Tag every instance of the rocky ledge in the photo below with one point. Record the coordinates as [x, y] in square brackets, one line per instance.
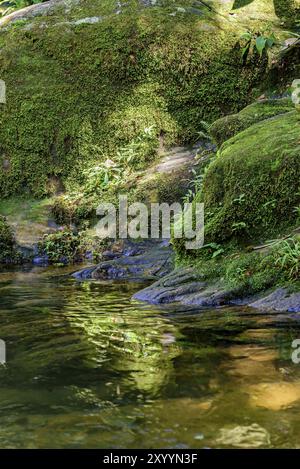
[146, 260]
[184, 286]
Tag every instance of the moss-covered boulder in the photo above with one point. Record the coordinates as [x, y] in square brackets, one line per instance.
[85, 79]
[6, 241]
[287, 9]
[252, 189]
[226, 127]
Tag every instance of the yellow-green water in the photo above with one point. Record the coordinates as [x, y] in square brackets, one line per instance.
[87, 367]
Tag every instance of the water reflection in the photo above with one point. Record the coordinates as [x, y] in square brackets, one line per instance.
[89, 367]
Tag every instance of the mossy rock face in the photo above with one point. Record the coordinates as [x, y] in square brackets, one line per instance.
[287, 9]
[79, 89]
[225, 128]
[6, 241]
[252, 188]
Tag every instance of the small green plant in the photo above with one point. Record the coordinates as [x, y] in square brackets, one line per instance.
[214, 249]
[101, 176]
[65, 247]
[239, 226]
[288, 257]
[139, 151]
[204, 132]
[256, 42]
[271, 204]
[61, 247]
[239, 200]
[6, 240]
[196, 185]
[297, 211]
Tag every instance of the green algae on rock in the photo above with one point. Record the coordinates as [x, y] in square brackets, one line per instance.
[7, 243]
[226, 127]
[78, 91]
[251, 189]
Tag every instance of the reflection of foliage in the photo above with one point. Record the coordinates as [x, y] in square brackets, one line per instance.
[136, 346]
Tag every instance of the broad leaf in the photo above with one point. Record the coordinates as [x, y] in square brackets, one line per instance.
[260, 44]
[241, 3]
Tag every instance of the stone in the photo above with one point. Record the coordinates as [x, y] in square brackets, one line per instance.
[184, 286]
[137, 261]
[279, 300]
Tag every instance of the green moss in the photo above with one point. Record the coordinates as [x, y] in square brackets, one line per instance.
[6, 242]
[161, 187]
[225, 128]
[73, 209]
[31, 210]
[249, 272]
[287, 9]
[65, 247]
[78, 93]
[251, 189]
[253, 272]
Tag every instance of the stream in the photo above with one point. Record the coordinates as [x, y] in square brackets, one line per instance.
[88, 367]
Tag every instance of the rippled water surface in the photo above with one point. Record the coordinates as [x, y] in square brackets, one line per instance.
[87, 367]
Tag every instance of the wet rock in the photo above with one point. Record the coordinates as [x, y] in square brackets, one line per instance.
[107, 255]
[89, 255]
[184, 286]
[42, 261]
[84, 273]
[279, 300]
[145, 260]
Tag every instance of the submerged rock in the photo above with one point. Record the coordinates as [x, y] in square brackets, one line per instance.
[274, 396]
[252, 436]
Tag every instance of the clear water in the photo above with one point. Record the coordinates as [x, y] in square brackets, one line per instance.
[87, 367]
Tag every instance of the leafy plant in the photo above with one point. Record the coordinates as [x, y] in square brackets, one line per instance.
[239, 226]
[196, 185]
[297, 211]
[204, 132]
[214, 249]
[60, 247]
[288, 257]
[6, 241]
[271, 204]
[140, 150]
[240, 199]
[100, 176]
[256, 42]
